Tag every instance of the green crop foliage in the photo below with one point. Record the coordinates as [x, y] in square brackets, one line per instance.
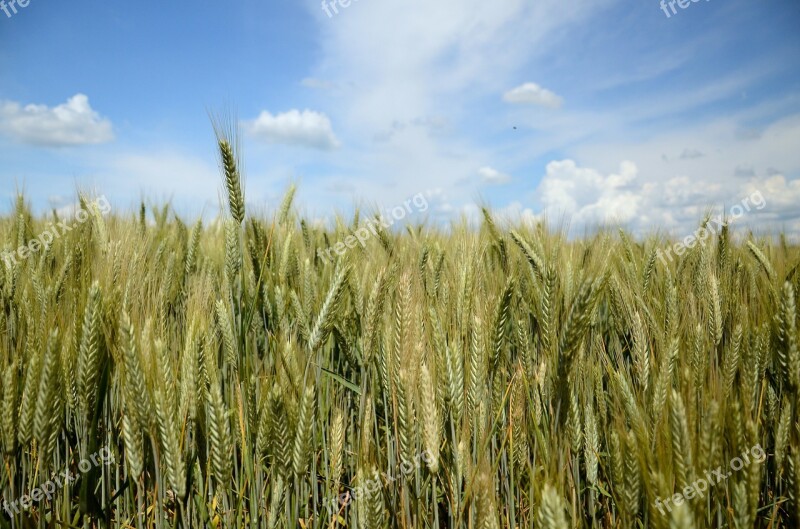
[495, 376]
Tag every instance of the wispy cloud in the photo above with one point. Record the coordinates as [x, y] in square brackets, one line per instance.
[472, 52]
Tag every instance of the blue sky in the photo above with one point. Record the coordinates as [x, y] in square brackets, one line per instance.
[601, 111]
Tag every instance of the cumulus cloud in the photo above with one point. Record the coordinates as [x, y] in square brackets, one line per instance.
[679, 203]
[674, 197]
[70, 123]
[781, 196]
[305, 128]
[491, 175]
[587, 195]
[533, 94]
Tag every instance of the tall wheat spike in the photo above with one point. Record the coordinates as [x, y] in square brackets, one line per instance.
[681, 443]
[219, 435]
[27, 399]
[89, 352]
[233, 180]
[170, 442]
[337, 434]
[304, 432]
[280, 437]
[48, 389]
[591, 444]
[762, 260]
[641, 353]
[430, 418]
[9, 409]
[322, 325]
[788, 351]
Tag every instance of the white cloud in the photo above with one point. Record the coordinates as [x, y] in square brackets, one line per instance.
[70, 123]
[588, 196]
[533, 94]
[675, 196]
[491, 175]
[676, 203]
[472, 53]
[306, 128]
[781, 197]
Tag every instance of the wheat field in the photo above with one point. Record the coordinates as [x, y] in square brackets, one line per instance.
[491, 377]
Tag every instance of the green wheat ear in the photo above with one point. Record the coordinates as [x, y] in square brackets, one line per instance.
[219, 435]
[227, 143]
[89, 351]
[47, 401]
[551, 514]
[233, 182]
[304, 434]
[762, 259]
[9, 407]
[337, 434]
[286, 205]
